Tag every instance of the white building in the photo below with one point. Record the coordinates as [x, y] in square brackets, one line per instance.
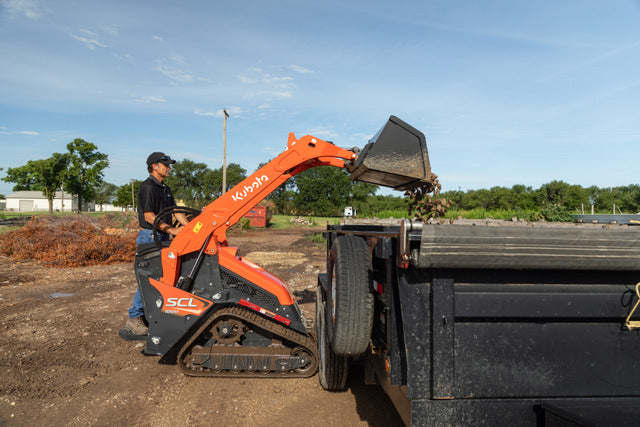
[32, 201]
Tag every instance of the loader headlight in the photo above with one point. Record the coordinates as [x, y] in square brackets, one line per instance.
[159, 302]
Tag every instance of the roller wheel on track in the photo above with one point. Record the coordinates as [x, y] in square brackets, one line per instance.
[333, 370]
[349, 300]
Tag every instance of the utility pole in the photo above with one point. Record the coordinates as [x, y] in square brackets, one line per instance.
[133, 203]
[224, 151]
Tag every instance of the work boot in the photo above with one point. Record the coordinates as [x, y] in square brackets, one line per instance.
[137, 326]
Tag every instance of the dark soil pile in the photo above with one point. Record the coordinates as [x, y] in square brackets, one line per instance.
[70, 241]
[422, 202]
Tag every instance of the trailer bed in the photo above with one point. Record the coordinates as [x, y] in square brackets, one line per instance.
[502, 323]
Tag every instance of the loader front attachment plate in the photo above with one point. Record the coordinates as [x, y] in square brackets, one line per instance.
[395, 157]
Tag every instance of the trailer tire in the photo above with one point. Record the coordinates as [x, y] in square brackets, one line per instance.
[349, 298]
[333, 370]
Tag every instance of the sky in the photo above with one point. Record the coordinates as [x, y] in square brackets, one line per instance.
[506, 92]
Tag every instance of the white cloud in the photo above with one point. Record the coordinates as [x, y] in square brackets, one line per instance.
[198, 112]
[91, 43]
[29, 8]
[299, 69]
[247, 80]
[267, 85]
[232, 111]
[262, 77]
[282, 82]
[272, 94]
[5, 131]
[173, 68]
[324, 133]
[158, 38]
[174, 74]
[112, 30]
[150, 99]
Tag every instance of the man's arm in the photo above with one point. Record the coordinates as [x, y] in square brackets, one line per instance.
[162, 226]
[182, 218]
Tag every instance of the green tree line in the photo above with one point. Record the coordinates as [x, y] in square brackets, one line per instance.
[79, 171]
[573, 198]
[321, 191]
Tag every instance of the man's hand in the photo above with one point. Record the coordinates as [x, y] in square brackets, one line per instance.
[173, 230]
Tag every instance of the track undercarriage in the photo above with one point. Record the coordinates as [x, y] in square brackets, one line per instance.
[235, 342]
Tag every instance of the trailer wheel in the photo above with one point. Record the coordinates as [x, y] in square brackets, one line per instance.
[349, 299]
[333, 370]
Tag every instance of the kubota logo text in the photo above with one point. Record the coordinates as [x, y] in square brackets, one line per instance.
[248, 189]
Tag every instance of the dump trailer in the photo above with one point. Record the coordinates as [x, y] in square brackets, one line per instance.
[483, 323]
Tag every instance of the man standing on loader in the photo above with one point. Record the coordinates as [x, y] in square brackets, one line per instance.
[153, 197]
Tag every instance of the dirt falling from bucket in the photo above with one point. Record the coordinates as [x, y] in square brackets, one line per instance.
[423, 204]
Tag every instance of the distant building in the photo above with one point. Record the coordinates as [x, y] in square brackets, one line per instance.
[33, 201]
[108, 207]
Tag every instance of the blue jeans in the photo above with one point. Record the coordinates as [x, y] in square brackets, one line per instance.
[144, 236]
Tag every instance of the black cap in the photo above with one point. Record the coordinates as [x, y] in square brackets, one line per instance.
[159, 157]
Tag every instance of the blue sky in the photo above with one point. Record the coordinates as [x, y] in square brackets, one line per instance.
[507, 92]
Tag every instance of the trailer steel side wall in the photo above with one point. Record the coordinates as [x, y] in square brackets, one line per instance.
[505, 325]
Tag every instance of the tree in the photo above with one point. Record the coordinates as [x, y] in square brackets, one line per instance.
[377, 204]
[125, 196]
[323, 191]
[561, 193]
[85, 173]
[282, 198]
[105, 193]
[186, 182]
[213, 180]
[522, 197]
[40, 175]
[22, 178]
[197, 185]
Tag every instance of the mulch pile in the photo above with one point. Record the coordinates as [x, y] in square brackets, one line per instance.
[70, 241]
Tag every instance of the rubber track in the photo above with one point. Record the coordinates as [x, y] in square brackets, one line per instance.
[307, 342]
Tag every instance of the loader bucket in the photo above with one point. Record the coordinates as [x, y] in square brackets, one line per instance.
[395, 157]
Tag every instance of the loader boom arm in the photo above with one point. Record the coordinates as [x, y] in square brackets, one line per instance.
[207, 231]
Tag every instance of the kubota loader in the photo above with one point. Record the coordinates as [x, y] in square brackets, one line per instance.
[216, 313]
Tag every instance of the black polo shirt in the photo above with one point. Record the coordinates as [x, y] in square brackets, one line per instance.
[153, 196]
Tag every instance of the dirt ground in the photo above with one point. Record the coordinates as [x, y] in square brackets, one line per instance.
[62, 362]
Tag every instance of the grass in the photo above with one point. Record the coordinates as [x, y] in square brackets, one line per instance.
[392, 213]
[316, 238]
[496, 214]
[11, 214]
[284, 221]
[15, 214]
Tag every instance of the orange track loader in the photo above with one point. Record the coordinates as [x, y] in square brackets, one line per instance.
[217, 314]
